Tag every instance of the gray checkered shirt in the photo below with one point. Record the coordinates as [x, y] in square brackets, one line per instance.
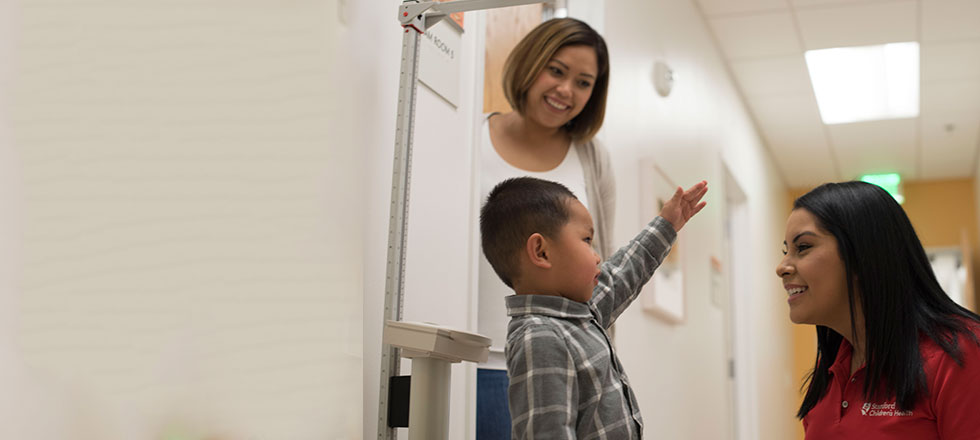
[565, 380]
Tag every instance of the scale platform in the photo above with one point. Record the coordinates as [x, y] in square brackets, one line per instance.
[419, 339]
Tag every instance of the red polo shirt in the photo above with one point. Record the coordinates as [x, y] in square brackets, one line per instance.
[949, 411]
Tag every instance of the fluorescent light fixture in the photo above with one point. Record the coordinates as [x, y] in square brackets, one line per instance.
[866, 83]
[892, 183]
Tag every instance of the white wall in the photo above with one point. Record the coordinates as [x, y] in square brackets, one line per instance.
[373, 119]
[679, 372]
[180, 246]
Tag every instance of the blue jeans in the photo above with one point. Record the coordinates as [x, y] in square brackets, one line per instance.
[492, 414]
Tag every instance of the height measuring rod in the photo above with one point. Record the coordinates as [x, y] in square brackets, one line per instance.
[415, 16]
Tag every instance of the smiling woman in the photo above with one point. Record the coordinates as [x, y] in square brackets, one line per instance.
[896, 357]
[555, 79]
[816, 287]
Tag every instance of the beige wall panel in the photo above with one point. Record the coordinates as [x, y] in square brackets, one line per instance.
[505, 27]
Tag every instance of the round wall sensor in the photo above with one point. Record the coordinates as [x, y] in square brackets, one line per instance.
[663, 78]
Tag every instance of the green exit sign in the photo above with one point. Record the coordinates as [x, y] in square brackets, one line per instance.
[889, 182]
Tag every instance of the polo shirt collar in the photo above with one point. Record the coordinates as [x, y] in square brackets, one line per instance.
[842, 365]
[554, 306]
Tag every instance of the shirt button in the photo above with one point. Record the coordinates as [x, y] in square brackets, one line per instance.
[853, 379]
[844, 404]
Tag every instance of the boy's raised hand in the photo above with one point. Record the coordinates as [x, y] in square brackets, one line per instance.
[684, 204]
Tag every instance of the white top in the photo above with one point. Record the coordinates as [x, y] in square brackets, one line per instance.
[492, 313]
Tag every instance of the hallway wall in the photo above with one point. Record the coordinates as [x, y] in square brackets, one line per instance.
[172, 261]
[679, 372]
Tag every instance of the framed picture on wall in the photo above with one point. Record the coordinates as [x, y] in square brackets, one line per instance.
[663, 295]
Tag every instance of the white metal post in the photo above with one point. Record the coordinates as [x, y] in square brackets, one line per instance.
[430, 391]
[415, 17]
[398, 217]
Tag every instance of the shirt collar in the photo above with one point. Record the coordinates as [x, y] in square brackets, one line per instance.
[555, 306]
[842, 365]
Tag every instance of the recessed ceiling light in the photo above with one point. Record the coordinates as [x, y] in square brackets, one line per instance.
[866, 83]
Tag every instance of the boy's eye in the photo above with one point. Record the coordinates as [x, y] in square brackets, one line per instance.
[588, 240]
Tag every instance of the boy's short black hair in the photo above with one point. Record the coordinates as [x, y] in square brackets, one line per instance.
[515, 209]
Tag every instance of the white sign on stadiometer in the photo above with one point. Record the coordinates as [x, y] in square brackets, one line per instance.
[439, 55]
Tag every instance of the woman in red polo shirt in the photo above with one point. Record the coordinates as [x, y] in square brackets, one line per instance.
[896, 357]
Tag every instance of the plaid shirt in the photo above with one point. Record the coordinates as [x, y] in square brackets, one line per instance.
[565, 380]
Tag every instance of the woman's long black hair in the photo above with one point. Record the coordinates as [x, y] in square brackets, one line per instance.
[900, 297]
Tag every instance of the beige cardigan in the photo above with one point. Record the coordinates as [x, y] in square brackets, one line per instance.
[600, 187]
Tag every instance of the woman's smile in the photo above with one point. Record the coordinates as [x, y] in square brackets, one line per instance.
[555, 104]
[794, 291]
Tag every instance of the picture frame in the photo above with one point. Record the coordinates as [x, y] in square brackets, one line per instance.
[662, 296]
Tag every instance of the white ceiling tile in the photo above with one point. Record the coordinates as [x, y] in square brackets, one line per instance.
[718, 7]
[793, 131]
[943, 97]
[797, 110]
[769, 76]
[858, 24]
[760, 35]
[784, 138]
[805, 169]
[944, 20]
[875, 147]
[802, 162]
[952, 60]
[949, 145]
[764, 46]
[807, 180]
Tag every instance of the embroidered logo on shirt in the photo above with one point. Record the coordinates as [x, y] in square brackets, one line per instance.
[883, 410]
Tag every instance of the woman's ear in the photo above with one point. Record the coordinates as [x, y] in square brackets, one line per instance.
[537, 251]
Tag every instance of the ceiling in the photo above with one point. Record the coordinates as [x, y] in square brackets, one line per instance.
[763, 42]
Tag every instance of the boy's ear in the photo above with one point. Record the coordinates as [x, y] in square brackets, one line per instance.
[537, 251]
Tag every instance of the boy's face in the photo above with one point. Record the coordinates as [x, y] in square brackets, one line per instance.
[575, 263]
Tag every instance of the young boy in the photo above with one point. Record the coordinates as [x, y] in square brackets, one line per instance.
[565, 380]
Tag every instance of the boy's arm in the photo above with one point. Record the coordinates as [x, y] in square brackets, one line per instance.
[631, 267]
[624, 274]
[543, 391]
